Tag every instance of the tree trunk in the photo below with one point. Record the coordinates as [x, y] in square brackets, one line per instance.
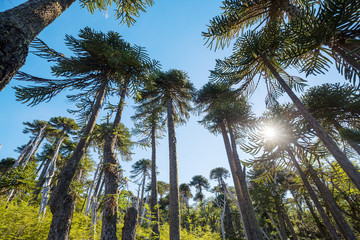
[35, 145]
[313, 196]
[154, 208]
[130, 223]
[333, 148]
[276, 227]
[23, 153]
[323, 232]
[288, 222]
[18, 27]
[332, 206]
[60, 200]
[49, 175]
[174, 185]
[142, 195]
[281, 218]
[111, 170]
[245, 212]
[251, 225]
[90, 191]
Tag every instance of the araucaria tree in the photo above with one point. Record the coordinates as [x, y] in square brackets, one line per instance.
[173, 90]
[100, 63]
[149, 123]
[20, 26]
[228, 114]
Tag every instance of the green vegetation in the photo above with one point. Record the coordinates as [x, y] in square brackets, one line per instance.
[302, 177]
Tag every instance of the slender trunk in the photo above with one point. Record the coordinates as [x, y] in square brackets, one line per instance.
[251, 225]
[142, 195]
[288, 222]
[18, 27]
[143, 210]
[24, 152]
[333, 148]
[41, 181]
[35, 145]
[332, 206]
[222, 215]
[323, 232]
[154, 208]
[60, 200]
[111, 170]
[174, 185]
[276, 227]
[90, 194]
[49, 175]
[313, 196]
[281, 219]
[229, 194]
[232, 165]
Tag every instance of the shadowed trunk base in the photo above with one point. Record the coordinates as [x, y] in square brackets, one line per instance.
[130, 223]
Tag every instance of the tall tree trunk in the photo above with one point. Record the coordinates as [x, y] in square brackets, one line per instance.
[142, 196]
[154, 189]
[280, 218]
[288, 222]
[333, 148]
[24, 152]
[35, 145]
[61, 202]
[322, 230]
[276, 227]
[96, 180]
[174, 185]
[18, 27]
[244, 208]
[230, 195]
[49, 175]
[332, 206]
[251, 225]
[111, 170]
[313, 196]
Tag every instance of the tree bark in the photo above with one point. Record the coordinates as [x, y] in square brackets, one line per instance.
[49, 175]
[154, 208]
[333, 148]
[281, 218]
[111, 171]
[322, 230]
[251, 225]
[174, 185]
[61, 202]
[18, 27]
[332, 206]
[130, 223]
[313, 196]
[288, 223]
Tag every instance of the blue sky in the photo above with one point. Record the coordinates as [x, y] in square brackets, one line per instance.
[171, 33]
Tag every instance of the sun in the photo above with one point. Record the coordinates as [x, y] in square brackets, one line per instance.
[270, 132]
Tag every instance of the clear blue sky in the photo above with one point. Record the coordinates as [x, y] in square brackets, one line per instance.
[171, 33]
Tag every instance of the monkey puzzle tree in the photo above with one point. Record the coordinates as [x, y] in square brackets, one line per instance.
[228, 114]
[97, 67]
[20, 26]
[149, 123]
[200, 183]
[172, 90]
[255, 58]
